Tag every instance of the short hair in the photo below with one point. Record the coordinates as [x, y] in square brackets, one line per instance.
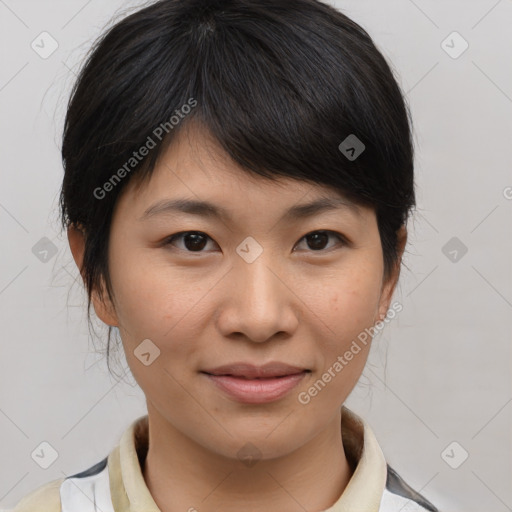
[279, 84]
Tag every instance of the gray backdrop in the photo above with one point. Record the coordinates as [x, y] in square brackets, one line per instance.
[437, 388]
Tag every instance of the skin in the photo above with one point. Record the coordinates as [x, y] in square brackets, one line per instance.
[205, 307]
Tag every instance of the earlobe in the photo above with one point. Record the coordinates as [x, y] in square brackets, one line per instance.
[105, 312]
[104, 309]
[389, 286]
[76, 239]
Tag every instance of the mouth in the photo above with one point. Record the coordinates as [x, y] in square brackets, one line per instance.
[245, 377]
[256, 390]
[247, 370]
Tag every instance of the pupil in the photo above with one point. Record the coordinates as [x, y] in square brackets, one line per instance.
[318, 239]
[197, 241]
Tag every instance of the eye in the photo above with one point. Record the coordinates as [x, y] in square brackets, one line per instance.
[194, 241]
[317, 239]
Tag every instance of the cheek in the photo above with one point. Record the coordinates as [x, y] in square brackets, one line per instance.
[351, 302]
[348, 309]
[155, 304]
[159, 303]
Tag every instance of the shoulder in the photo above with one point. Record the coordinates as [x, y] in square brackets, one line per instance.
[87, 491]
[45, 498]
[398, 495]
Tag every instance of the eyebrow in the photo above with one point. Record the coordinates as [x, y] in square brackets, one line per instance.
[211, 210]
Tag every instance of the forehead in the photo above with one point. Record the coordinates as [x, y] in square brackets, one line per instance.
[196, 157]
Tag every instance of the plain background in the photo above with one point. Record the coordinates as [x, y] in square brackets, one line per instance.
[439, 374]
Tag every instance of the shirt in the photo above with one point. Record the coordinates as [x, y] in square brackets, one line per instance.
[116, 483]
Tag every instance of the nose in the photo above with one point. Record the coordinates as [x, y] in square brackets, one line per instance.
[259, 301]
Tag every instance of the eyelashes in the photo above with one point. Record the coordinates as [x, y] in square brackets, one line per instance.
[195, 241]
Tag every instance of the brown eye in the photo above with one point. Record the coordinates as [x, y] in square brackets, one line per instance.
[318, 240]
[192, 241]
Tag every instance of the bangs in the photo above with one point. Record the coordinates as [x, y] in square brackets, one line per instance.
[279, 98]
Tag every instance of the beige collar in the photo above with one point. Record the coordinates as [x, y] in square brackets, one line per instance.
[363, 492]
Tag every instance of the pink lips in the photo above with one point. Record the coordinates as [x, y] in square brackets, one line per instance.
[252, 384]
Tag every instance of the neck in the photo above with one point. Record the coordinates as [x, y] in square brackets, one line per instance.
[183, 475]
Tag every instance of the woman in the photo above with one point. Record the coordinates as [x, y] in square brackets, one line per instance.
[238, 177]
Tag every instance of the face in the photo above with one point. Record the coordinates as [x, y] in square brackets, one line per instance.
[252, 285]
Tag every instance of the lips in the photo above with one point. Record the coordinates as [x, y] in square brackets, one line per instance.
[250, 378]
[257, 390]
[250, 371]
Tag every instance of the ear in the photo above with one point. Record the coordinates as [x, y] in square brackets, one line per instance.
[104, 308]
[388, 287]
